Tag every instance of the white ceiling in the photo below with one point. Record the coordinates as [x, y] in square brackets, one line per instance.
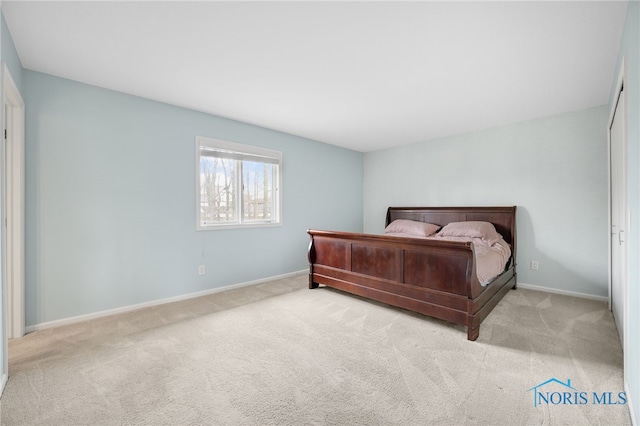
[362, 75]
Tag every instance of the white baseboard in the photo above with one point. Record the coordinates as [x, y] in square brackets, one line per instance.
[108, 312]
[563, 292]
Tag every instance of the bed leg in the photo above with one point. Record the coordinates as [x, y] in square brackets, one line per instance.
[312, 285]
[473, 333]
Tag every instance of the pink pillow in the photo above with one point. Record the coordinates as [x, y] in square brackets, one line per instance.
[411, 227]
[471, 229]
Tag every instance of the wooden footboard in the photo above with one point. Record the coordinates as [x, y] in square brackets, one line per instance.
[434, 278]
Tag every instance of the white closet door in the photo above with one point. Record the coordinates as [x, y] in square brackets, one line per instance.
[618, 216]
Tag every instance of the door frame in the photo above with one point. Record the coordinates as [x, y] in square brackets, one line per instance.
[620, 83]
[13, 207]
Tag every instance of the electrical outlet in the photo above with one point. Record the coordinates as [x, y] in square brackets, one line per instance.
[534, 265]
[201, 270]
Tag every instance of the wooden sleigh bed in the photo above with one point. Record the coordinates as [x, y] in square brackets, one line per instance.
[434, 278]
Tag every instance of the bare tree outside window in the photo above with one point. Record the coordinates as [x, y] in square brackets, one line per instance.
[257, 197]
[237, 187]
[218, 200]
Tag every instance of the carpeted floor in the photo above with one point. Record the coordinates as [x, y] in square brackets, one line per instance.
[278, 353]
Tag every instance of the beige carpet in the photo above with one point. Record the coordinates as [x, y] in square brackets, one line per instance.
[278, 353]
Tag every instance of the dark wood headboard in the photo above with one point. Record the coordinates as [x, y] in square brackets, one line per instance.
[503, 218]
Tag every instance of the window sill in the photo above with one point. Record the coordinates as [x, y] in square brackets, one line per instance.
[238, 226]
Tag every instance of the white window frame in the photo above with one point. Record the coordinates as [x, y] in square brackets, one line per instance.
[238, 151]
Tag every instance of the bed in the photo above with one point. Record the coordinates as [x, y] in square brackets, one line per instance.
[434, 277]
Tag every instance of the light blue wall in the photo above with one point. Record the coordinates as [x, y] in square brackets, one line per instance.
[630, 50]
[110, 201]
[553, 169]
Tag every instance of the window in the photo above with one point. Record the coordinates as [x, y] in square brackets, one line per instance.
[237, 185]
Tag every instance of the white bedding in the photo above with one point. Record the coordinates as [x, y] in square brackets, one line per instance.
[490, 259]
